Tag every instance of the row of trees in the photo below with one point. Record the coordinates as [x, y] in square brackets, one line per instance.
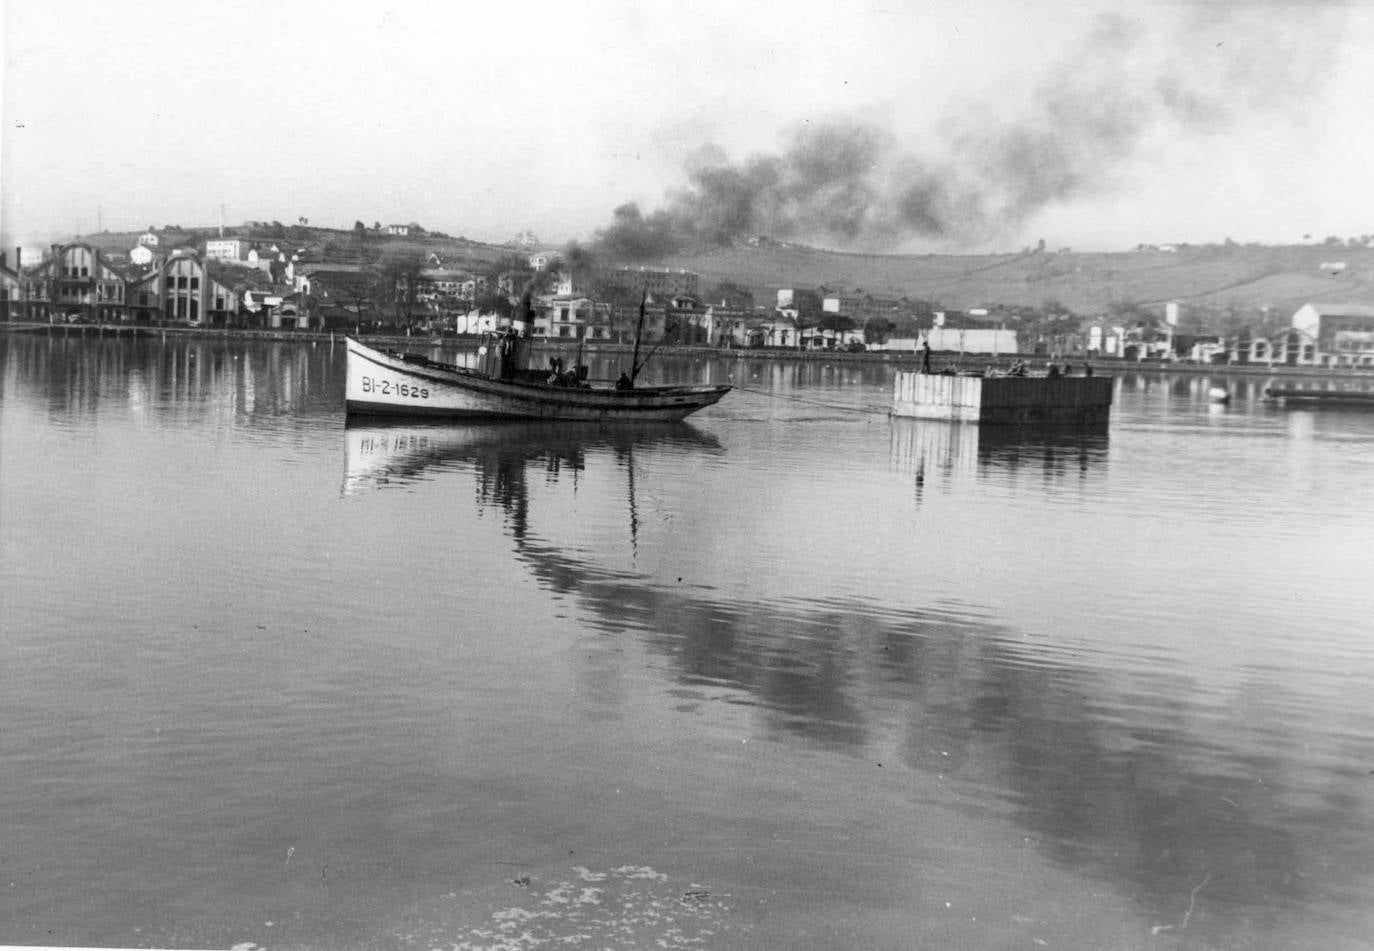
[394, 286]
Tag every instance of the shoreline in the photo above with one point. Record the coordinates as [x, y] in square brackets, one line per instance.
[943, 358]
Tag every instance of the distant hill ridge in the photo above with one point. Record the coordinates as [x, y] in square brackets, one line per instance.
[1246, 278]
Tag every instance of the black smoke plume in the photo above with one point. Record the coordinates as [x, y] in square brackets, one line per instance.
[851, 185]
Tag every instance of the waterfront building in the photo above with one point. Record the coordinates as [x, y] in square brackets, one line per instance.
[778, 331]
[979, 340]
[335, 295]
[1290, 347]
[75, 284]
[1339, 334]
[181, 291]
[11, 289]
[727, 326]
[572, 318]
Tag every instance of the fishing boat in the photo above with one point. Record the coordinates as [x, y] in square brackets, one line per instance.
[503, 386]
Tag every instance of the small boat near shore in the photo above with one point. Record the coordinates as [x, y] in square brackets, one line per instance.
[1316, 396]
[1319, 396]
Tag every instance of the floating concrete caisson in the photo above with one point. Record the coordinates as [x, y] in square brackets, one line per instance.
[1003, 400]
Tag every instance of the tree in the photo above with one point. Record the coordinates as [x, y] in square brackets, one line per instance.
[878, 330]
[401, 277]
[360, 293]
[807, 304]
[836, 324]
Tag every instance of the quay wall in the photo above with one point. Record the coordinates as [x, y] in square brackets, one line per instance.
[564, 346]
[1003, 400]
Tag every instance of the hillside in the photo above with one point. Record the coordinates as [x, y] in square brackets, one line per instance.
[1245, 279]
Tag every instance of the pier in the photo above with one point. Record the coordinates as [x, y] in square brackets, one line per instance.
[1007, 400]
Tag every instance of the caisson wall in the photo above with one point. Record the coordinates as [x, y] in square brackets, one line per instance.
[1003, 400]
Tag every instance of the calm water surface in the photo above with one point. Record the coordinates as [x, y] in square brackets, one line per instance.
[791, 675]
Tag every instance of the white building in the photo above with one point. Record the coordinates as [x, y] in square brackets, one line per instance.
[226, 249]
[973, 340]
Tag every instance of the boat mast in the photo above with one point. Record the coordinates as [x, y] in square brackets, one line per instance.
[639, 332]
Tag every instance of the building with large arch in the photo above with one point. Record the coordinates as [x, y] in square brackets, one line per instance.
[75, 284]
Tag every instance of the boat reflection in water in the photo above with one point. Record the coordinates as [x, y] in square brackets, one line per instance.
[378, 453]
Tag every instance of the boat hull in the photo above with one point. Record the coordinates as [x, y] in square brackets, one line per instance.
[1320, 397]
[389, 384]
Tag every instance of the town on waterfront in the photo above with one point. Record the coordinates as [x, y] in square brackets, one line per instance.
[404, 279]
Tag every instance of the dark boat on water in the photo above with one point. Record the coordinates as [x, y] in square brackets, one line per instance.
[1319, 396]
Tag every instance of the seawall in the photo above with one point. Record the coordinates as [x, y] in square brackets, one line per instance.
[1007, 400]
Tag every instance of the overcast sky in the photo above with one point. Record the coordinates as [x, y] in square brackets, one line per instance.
[1090, 125]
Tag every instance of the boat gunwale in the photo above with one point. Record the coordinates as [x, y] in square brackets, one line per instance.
[441, 373]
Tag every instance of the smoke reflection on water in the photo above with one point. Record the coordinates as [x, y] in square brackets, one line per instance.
[1118, 757]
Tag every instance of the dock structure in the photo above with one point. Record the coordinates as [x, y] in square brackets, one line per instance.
[1005, 400]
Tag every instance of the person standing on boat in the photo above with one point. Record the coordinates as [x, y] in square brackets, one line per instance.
[925, 356]
[507, 348]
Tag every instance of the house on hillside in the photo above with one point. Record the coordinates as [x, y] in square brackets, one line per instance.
[226, 249]
[658, 281]
[442, 289]
[861, 305]
[273, 261]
